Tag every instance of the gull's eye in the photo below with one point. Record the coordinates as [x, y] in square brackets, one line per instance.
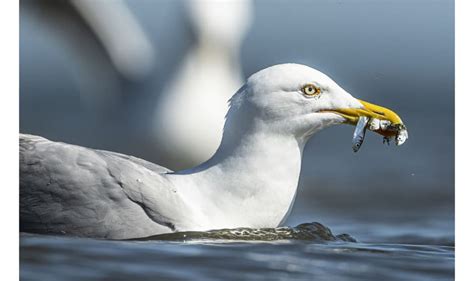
[311, 90]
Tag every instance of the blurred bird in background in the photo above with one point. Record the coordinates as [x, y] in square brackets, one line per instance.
[190, 112]
[117, 74]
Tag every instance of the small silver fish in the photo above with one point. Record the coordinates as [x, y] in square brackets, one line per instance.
[359, 133]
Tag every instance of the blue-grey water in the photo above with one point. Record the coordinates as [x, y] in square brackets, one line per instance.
[83, 259]
[396, 248]
[397, 202]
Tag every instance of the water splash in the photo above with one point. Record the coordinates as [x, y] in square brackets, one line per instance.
[313, 231]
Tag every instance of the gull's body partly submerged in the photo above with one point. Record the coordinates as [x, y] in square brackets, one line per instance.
[251, 181]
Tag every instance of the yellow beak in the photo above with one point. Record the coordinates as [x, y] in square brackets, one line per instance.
[371, 111]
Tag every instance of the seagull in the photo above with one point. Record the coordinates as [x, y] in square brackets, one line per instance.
[209, 75]
[250, 181]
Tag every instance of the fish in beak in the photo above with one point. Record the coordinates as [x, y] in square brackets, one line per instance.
[376, 118]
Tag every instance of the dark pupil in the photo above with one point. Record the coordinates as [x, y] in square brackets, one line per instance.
[310, 89]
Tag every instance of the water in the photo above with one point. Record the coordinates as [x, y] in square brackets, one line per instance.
[420, 250]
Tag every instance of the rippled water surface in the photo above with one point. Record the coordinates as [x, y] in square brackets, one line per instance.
[420, 250]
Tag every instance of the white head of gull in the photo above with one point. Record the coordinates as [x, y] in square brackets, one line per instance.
[251, 180]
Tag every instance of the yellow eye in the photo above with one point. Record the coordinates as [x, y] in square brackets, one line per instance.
[311, 90]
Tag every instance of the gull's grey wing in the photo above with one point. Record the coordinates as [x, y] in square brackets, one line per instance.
[150, 166]
[68, 189]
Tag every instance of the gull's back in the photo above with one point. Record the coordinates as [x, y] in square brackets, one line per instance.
[68, 189]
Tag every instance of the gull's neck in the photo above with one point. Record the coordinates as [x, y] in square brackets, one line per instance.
[250, 181]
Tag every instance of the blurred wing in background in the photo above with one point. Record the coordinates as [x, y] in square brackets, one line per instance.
[125, 41]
